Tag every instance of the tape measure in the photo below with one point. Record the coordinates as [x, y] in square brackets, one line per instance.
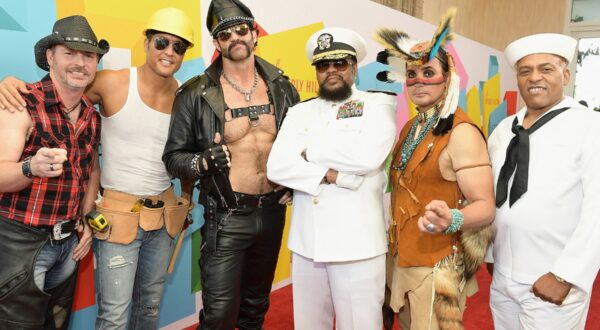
[96, 220]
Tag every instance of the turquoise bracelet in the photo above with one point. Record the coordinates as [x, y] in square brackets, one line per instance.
[457, 221]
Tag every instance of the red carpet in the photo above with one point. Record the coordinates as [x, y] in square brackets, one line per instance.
[477, 316]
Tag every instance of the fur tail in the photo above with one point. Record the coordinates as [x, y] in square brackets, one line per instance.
[447, 296]
[475, 243]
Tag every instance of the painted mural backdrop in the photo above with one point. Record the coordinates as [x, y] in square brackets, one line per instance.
[487, 87]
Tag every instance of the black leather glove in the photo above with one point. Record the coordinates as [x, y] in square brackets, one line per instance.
[214, 160]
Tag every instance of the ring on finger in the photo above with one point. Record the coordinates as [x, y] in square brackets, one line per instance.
[430, 227]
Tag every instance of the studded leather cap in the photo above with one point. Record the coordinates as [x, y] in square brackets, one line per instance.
[225, 13]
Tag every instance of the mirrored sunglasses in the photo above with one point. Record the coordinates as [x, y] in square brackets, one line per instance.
[339, 65]
[240, 29]
[179, 47]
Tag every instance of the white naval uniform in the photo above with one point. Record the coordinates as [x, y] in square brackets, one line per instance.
[554, 227]
[341, 224]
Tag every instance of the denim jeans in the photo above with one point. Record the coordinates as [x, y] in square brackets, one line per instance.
[55, 264]
[132, 275]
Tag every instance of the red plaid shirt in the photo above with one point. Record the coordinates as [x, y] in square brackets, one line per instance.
[48, 200]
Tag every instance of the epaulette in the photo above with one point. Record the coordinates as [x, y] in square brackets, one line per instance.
[187, 83]
[312, 98]
[384, 92]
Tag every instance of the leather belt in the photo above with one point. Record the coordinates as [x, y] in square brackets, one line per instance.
[245, 201]
[60, 231]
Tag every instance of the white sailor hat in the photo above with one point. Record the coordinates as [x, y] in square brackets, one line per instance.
[335, 43]
[543, 43]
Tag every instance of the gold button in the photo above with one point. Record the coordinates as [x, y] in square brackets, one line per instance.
[315, 201]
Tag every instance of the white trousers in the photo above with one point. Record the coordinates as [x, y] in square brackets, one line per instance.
[515, 307]
[352, 290]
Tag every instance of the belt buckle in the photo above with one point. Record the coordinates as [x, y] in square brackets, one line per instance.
[57, 233]
[261, 201]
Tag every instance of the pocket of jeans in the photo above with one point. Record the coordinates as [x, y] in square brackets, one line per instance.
[122, 226]
[175, 216]
[151, 218]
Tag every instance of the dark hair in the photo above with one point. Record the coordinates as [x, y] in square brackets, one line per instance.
[442, 56]
[150, 33]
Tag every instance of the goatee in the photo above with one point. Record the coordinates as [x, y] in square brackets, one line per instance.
[337, 94]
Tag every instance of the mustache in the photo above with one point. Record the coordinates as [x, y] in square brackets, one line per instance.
[334, 75]
[79, 69]
[237, 42]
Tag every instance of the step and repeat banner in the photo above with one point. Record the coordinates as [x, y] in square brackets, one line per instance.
[488, 87]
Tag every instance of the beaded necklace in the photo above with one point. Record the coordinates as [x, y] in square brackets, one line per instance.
[428, 119]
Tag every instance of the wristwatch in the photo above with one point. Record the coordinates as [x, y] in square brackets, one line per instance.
[26, 167]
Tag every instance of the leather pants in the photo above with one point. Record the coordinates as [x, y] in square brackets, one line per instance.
[22, 304]
[238, 259]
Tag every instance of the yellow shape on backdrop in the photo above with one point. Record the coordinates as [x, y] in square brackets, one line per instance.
[491, 100]
[412, 108]
[122, 22]
[473, 106]
[287, 50]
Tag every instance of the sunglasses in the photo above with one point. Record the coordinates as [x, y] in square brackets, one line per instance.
[179, 47]
[339, 65]
[240, 29]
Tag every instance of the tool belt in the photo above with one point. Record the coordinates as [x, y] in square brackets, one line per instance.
[125, 212]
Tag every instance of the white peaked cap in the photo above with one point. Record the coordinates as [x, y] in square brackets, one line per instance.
[334, 43]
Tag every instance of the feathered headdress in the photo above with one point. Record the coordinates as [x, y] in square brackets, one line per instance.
[400, 50]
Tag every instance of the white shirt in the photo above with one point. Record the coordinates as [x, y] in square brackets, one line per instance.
[343, 221]
[555, 226]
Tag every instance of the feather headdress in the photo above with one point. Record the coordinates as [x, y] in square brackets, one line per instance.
[400, 50]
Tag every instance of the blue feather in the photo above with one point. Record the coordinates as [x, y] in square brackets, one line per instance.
[437, 44]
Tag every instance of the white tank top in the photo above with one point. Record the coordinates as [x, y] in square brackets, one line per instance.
[133, 141]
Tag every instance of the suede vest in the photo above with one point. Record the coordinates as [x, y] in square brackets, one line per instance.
[413, 188]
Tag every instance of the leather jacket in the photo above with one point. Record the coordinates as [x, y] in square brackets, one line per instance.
[199, 112]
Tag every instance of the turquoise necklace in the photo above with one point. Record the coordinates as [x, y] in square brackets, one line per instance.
[410, 144]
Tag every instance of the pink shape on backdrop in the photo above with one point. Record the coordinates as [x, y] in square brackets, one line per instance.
[460, 69]
[401, 111]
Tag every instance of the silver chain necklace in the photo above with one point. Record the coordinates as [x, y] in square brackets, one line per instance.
[247, 94]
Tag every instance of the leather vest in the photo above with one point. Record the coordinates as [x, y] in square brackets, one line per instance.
[413, 188]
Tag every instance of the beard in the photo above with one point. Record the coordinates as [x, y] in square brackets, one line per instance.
[239, 56]
[337, 94]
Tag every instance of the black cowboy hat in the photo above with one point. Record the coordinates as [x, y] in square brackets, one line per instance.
[75, 33]
[225, 13]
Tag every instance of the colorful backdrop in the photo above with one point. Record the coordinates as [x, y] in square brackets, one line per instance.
[488, 89]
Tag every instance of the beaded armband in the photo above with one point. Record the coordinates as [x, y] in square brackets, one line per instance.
[457, 221]
[194, 164]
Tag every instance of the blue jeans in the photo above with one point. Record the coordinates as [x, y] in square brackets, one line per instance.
[55, 264]
[134, 273]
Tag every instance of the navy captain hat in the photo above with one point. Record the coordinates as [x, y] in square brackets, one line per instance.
[335, 43]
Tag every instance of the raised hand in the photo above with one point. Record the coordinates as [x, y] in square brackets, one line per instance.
[436, 219]
[216, 158]
[48, 162]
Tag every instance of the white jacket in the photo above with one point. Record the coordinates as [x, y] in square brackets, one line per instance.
[343, 221]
